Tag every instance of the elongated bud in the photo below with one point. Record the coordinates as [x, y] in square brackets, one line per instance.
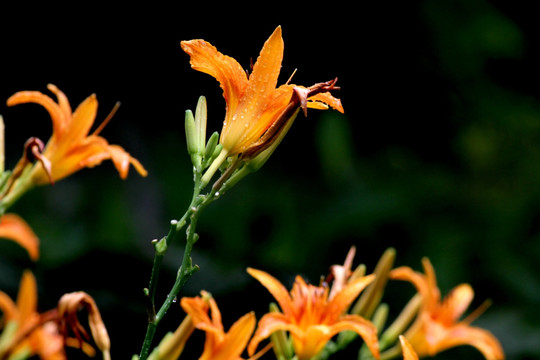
[173, 344]
[191, 133]
[211, 146]
[280, 342]
[371, 297]
[200, 124]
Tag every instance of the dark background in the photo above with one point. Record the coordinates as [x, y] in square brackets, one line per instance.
[438, 155]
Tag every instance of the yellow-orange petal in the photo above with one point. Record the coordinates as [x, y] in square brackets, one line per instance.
[236, 338]
[27, 297]
[407, 349]
[341, 301]
[14, 228]
[278, 291]
[456, 303]
[81, 122]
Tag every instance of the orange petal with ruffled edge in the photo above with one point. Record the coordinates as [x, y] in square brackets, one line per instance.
[226, 70]
[13, 227]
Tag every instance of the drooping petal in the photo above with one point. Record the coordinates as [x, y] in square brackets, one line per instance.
[481, 339]
[365, 328]
[122, 160]
[327, 99]
[417, 279]
[58, 117]
[268, 324]
[13, 227]
[228, 72]
[278, 291]
[342, 299]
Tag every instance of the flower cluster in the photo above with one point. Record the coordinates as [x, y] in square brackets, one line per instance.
[307, 322]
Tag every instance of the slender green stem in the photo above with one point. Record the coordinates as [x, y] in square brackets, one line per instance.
[186, 270]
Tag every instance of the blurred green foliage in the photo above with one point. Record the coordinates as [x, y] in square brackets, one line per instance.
[438, 155]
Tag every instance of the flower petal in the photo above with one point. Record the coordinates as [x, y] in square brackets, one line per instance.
[268, 324]
[81, 121]
[278, 291]
[122, 159]
[407, 349]
[481, 339]
[228, 72]
[363, 327]
[258, 93]
[327, 99]
[13, 227]
[456, 303]
[237, 338]
[342, 299]
[58, 117]
[27, 297]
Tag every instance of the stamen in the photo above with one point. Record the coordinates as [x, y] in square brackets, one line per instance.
[261, 352]
[476, 313]
[290, 77]
[107, 119]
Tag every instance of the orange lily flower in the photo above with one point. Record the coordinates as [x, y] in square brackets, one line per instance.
[34, 333]
[437, 326]
[13, 227]
[257, 112]
[311, 316]
[218, 344]
[70, 147]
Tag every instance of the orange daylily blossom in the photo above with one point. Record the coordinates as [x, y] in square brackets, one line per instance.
[437, 326]
[13, 227]
[218, 344]
[70, 147]
[36, 334]
[311, 316]
[407, 349]
[257, 112]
